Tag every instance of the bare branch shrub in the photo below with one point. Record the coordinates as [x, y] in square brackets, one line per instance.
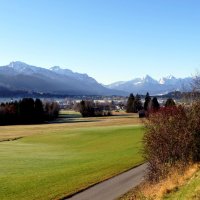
[194, 128]
[196, 82]
[167, 141]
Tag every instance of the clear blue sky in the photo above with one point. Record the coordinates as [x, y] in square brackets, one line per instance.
[110, 40]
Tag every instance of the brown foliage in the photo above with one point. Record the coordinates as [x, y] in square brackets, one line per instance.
[194, 128]
[167, 141]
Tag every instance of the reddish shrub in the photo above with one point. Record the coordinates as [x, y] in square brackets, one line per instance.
[167, 141]
[194, 128]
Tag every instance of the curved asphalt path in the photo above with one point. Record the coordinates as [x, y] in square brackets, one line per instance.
[113, 187]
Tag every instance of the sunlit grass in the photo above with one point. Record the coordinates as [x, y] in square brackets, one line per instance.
[64, 159]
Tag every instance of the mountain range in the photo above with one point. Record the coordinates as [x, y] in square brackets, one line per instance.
[55, 80]
[19, 76]
[155, 87]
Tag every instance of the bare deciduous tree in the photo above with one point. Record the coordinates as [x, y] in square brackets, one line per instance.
[196, 82]
[196, 86]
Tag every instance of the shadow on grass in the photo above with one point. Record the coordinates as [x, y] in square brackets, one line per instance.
[65, 115]
[71, 120]
[77, 118]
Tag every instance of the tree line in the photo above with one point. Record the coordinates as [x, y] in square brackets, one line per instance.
[89, 108]
[134, 104]
[93, 109]
[28, 111]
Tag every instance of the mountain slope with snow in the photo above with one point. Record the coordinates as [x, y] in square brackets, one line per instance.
[21, 76]
[56, 80]
[148, 84]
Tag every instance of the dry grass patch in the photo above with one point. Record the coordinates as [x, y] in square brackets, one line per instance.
[149, 191]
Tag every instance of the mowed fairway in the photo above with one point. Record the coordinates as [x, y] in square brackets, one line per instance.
[56, 160]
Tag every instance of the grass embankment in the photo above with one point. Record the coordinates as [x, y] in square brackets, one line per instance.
[56, 160]
[179, 186]
[190, 189]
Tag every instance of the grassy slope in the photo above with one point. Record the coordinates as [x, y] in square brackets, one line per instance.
[191, 190]
[50, 166]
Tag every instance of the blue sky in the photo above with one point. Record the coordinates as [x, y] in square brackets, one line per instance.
[110, 40]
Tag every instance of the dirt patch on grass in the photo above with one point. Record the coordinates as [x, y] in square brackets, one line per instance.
[10, 139]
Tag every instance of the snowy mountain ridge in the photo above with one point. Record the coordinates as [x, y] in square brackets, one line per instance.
[148, 84]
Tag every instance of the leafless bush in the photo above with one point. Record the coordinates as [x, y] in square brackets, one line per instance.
[167, 141]
[196, 82]
[194, 128]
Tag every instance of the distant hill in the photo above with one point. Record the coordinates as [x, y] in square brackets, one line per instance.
[19, 76]
[148, 84]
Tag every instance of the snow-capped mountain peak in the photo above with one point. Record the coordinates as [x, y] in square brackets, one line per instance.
[170, 77]
[21, 76]
[162, 81]
[55, 68]
[168, 80]
[58, 69]
[149, 79]
[18, 65]
[148, 84]
[21, 67]
[68, 72]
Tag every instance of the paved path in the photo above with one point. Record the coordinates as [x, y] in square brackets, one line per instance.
[114, 187]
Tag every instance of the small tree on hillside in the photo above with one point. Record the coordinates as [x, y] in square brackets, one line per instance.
[130, 104]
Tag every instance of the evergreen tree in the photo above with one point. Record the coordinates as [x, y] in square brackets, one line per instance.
[137, 106]
[147, 101]
[39, 110]
[154, 103]
[26, 109]
[130, 104]
[170, 102]
[82, 108]
[86, 108]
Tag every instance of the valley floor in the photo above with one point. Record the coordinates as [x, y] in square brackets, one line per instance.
[51, 161]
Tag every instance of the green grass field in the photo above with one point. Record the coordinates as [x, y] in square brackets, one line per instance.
[63, 160]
